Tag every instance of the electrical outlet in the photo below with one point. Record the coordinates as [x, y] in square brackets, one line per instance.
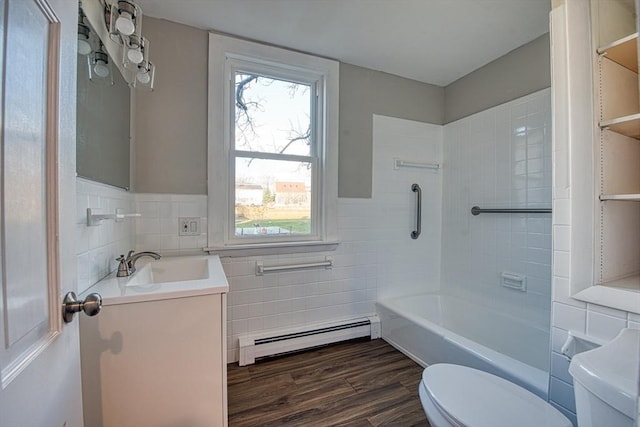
[188, 226]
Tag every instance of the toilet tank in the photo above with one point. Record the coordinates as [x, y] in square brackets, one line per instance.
[606, 382]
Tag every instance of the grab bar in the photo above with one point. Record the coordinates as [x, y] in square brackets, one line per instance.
[415, 233]
[261, 268]
[477, 211]
[397, 164]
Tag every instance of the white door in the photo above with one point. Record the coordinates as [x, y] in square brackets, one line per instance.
[39, 354]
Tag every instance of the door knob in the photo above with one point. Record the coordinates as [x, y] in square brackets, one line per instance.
[71, 305]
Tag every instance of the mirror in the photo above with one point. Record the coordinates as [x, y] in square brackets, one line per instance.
[103, 113]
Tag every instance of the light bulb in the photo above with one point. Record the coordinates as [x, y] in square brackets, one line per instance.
[101, 69]
[124, 23]
[84, 48]
[143, 76]
[135, 55]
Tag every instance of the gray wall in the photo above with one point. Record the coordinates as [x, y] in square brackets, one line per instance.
[170, 152]
[364, 92]
[171, 122]
[520, 72]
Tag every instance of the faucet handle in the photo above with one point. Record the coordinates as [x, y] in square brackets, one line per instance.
[123, 267]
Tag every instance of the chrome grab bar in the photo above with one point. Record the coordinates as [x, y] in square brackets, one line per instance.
[415, 233]
[477, 211]
[261, 269]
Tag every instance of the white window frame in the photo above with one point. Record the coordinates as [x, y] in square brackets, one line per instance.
[226, 55]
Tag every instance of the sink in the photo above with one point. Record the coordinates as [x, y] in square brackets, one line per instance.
[168, 270]
[162, 329]
[166, 278]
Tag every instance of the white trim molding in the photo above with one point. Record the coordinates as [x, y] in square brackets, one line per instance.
[224, 50]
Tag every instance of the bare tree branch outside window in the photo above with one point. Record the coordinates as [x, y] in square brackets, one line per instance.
[247, 106]
[272, 116]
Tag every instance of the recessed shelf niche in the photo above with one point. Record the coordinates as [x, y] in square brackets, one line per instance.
[618, 152]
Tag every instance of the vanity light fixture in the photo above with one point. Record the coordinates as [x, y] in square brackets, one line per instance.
[123, 19]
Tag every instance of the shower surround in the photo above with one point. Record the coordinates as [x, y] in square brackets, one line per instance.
[498, 158]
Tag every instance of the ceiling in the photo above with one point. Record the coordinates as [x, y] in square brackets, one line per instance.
[433, 41]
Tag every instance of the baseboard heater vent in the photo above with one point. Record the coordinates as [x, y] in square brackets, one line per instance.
[255, 346]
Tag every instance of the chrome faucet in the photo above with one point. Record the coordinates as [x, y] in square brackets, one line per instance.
[127, 264]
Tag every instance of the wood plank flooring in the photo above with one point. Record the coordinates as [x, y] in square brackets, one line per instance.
[357, 384]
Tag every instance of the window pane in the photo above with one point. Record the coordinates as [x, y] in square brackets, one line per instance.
[272, 197]
[271, 115]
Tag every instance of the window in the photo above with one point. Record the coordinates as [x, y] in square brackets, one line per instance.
[275, 153]
[272, 147]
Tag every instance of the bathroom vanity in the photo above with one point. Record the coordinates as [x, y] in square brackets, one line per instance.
[156, 354]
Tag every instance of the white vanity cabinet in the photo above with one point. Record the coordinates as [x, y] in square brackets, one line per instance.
[155, 360]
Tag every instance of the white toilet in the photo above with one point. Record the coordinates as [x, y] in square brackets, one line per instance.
[458, 396]
[606, 382]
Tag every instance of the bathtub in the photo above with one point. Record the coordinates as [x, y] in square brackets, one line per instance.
[434, 328]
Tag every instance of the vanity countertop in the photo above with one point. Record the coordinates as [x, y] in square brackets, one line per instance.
[167, 278]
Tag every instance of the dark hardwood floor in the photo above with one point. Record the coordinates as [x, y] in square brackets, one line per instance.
[358, 383]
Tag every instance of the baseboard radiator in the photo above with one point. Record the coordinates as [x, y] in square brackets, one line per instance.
[272, 343]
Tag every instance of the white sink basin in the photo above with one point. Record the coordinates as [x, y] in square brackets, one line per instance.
[167, 278]
[168, 270]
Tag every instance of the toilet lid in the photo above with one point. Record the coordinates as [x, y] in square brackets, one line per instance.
[475, 398]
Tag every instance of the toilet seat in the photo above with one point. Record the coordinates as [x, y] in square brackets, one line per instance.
[472, 398]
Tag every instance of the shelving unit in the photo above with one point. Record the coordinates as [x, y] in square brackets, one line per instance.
[617, 148]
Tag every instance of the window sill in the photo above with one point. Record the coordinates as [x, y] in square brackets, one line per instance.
[272, 248]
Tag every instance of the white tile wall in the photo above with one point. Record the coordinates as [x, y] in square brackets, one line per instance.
[157, 228]
[500, 157]
[376, 256]
[561, 393]
[97, 247]
[299, 298]
[406, 266]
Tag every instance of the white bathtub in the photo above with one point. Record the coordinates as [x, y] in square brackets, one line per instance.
[434, 328]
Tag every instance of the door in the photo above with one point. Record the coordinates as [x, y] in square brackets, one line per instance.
[39, 354]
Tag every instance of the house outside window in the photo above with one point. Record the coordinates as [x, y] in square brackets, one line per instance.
[272, 147]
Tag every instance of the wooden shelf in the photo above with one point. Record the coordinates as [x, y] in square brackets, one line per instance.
[631, 283]
[627, 125]
[621, 197]
[623, 51]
